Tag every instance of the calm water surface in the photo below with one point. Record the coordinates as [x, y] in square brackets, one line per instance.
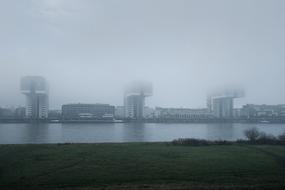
[125, 132]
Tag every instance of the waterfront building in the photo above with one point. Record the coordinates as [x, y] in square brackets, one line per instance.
[119, 112]
[182, 114]
[237, 113]
[11, 113]
[20, 113]
[221, 102]
[7, 113]
[134, 99]
[223, 107]
[148, 112]
[88, 112]
[253, 111]
[35, 88]
[54, 114]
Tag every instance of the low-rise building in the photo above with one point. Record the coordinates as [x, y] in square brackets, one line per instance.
[120, 112]
[54, 114]
[20, 113]
[7, 113]
[148, 113]
[88, 112]
[182, 114]
[252, 111]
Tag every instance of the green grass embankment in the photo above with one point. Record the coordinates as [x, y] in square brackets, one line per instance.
[141, 166]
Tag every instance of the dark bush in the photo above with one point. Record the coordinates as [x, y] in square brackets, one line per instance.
[264, 138]
[253, 136]
[190, 141]
[282, 137]
[199, 142]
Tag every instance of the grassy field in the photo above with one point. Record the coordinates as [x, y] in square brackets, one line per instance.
[141, 166]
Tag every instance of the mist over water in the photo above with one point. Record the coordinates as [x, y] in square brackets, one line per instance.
[89, 50]
[142, 94]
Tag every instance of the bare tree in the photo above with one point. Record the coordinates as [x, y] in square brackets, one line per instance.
[252, 134]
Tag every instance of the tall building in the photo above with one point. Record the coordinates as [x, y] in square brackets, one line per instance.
[221, 103]
[134, 99]
[35, 88]
[223, 107]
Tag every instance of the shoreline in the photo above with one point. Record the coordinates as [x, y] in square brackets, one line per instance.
[145, 122]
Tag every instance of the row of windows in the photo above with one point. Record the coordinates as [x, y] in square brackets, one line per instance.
[186, 116]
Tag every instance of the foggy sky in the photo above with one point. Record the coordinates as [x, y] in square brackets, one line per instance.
[89, 50]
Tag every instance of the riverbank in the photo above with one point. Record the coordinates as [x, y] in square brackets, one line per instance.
[141, 166]
[215, 121]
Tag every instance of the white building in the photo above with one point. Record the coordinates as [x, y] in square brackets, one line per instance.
[36, 90]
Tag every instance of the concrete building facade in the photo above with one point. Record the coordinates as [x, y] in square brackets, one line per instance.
[223, 107]
[120, 112]
[35, 88]
[253, 111]
[134, 99]
[221, 102]
[182, 114]
[88, 112]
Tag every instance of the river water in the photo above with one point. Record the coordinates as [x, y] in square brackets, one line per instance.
[125, 132]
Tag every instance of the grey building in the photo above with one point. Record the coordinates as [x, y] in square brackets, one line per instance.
[88, 112]
[20, 113]
[7, 113]
[182, 114]
[221, 102]
[54, 114]
[149, 113]
[253, 111]
[120, 112]
[134, 99]
[35, 88]
[223, 107]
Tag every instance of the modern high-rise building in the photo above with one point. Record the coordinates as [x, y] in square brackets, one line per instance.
[134, 99]
[223, 107]
[35, 88]
[221, 103]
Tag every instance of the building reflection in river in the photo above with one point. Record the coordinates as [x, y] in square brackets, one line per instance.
[220, 131]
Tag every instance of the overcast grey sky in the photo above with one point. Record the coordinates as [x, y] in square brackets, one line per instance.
[88, 50]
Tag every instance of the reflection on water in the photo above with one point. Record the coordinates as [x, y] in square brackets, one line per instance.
[223, 131]
[34, 133]
[41, 133]
[125, 132]
[134, 132]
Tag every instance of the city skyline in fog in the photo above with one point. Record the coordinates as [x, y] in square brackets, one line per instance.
[88, 51]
